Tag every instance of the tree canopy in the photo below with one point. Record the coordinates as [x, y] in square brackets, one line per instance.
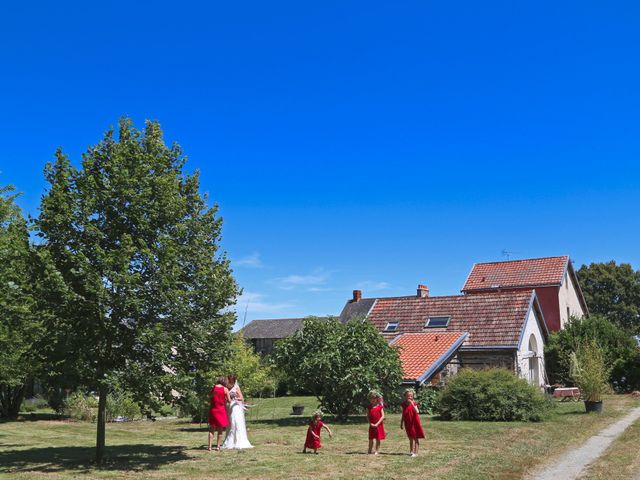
[339, 363]
[614, 291]
[20, 327]
[138, 284]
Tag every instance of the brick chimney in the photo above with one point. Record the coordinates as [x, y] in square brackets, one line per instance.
[357, 295]
[423, 291]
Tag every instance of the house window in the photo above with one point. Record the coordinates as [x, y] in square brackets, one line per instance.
[568, 314]
[391, 326]
[433, 322]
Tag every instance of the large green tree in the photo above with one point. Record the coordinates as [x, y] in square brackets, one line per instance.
[140, 287]
[339, 363]
[614, 291]
[19, 322]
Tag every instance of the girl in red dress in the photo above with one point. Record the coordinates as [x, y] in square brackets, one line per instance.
[313, 433]
[218, 419]
[376, 419]
[411, 421]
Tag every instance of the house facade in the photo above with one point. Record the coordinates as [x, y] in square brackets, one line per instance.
[553, 279]
[502, 328]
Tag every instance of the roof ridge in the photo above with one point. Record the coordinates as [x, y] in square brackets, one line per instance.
[521, 260]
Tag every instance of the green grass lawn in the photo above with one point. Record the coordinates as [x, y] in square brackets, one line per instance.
[177, 449]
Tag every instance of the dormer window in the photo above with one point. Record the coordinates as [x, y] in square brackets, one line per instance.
[433, 322]
[391, 326]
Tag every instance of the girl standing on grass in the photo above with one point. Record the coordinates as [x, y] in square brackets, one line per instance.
[313, 433]
[411, 421]
[218, 419]
[376, 419]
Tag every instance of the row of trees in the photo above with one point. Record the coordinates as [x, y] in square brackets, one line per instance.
[125, 283]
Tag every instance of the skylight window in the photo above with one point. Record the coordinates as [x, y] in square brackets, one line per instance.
[433, 322]
[391, 326]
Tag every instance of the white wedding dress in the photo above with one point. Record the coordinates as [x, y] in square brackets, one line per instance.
[237, 431]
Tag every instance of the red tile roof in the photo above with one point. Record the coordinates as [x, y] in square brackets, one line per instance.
[422, 354]
[533, 272]
[492, 319]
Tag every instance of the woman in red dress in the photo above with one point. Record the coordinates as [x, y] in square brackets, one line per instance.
[313, 433]
[411, 421]
[218, 419]
[376, 419]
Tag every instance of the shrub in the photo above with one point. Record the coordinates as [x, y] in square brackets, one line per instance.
[426, 397]
[619, 349]
[589, 371]
[491, 395]
[33, 404]
[81, 406]
[121, 404]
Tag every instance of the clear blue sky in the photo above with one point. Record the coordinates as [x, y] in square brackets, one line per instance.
[372, 145]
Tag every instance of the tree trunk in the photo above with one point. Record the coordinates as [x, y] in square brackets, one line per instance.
[102, 417]
[10, 401]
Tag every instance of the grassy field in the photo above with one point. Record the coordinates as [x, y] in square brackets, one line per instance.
[169, 449]
[621, 461]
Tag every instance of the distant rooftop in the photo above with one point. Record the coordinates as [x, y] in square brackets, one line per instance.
[533, 272]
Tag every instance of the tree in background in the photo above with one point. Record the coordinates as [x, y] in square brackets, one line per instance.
[139, 288]
[619, 349]
[19, 322]
[614, 291]
[254, 376]
[339, 363]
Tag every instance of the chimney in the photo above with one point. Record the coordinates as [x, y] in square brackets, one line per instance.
[423, 291]
[357, 295]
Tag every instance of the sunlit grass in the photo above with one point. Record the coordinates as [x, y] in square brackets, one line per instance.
[177, 449]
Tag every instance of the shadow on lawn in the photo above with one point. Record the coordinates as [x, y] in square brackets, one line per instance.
[294, 421]
[117, 457]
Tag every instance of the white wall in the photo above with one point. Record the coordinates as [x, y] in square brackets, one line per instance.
[532, 327]
[568, 297]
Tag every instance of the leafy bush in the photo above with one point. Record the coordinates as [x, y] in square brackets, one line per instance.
[491, 395]
[589, 371]
[121, 404]
[619, 349]
[34, 403]
[81, 407]
[426, 397]
[339, 363]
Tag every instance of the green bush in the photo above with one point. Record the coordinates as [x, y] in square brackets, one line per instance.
[121, 404]
[81, 406]
[491, 395]
[426, 398]
[33, 404]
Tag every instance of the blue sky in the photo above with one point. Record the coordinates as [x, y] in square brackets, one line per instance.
[372, 145]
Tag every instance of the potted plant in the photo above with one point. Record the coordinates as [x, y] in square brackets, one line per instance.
[297, 409]
[590, 373]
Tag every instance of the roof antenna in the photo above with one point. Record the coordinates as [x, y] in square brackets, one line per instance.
[508, 254]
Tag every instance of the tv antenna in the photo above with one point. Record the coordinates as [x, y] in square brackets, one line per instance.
[244, 320]
[507, 253]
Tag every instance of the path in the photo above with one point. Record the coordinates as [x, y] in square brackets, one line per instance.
[574, 462]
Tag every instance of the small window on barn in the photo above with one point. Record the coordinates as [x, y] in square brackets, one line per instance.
[391, 326]
[433, 322]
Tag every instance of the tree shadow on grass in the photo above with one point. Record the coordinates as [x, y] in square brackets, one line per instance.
[81, 459]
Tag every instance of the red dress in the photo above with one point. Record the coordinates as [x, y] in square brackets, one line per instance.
[375, 414]
[411, 420]
[218, 412]
[312, 441]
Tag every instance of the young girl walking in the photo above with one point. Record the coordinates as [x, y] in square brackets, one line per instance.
[376, 421]
[313, 432]
[411, 421]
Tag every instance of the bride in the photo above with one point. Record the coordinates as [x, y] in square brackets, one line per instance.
[237, 430]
